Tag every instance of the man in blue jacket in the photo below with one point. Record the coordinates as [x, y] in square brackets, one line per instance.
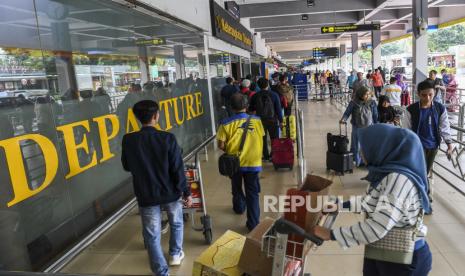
[429, 120]
[154, 159]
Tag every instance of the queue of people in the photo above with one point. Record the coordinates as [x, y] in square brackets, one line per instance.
[427, 118]
[394, 238]
[388, 149]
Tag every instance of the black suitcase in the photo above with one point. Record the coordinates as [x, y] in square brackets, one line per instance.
[340, 163]
[338, 143]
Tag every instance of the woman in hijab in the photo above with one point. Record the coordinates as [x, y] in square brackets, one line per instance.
[386, 113]
[451, 94]
[405, 98]
[395, 200]
[363, 112]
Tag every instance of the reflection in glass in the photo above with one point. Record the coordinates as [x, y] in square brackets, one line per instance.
[70, 71]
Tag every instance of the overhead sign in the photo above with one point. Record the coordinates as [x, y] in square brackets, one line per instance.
[350, 28]
[226, 28]
[319, 53]
[311, 61]
[233, 8]
[149, 42]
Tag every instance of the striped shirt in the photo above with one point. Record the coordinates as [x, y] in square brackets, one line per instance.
[395, 202]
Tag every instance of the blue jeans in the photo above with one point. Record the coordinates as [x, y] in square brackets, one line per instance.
[251, 199]
[355, 146]
[151, 231]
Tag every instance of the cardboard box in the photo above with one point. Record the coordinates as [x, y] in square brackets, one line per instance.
[222, 257]
[313, 187]
[253, 261]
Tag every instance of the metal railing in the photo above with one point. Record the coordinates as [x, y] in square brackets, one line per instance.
[451, 172]
[302, 164]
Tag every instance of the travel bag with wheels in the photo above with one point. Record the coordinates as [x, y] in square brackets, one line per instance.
[340, 162]
[338, 143]
[282, 152]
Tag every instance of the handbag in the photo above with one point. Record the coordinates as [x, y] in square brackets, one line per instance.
[397, 246]
[229, 164]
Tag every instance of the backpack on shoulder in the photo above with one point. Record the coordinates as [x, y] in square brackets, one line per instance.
[265, 106]
[363, 115]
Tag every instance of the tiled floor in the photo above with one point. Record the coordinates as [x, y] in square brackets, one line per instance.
[121, 250]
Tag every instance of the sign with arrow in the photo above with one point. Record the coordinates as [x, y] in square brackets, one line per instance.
[350, 28]
[149, 42]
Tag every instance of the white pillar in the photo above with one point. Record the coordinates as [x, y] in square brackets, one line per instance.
[210, 88]
[143, 64]
[376, 52]
[343, 57]
[179, 59]
[420, 40]
[355, 57]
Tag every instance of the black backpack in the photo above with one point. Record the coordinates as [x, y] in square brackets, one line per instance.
[264, 105]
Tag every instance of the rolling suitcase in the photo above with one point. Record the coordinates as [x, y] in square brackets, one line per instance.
[340, 162]
[282, 152]
[338, 143]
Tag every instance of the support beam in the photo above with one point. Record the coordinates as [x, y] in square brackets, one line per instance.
[296, 20]
[343, 56]
[300, 38]
[308, 32]
[420, 41]
[179, 59]
[376, 52]
[299, 7]
[355, 57]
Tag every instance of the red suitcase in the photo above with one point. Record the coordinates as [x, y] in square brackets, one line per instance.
[282, 153]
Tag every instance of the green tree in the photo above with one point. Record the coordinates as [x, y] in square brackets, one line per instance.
[442, 39]
[394, 48]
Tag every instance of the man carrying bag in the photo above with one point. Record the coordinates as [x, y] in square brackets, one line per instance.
[241, 138]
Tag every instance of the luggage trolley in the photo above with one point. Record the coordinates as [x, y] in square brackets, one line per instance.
[194, 180]
[275, 244]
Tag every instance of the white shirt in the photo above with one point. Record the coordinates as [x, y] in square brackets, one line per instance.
[394, 92]
[396, 191]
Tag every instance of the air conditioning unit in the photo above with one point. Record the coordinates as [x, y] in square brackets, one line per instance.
[310, 3]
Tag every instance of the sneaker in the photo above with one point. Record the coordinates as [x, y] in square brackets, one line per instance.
[177, 260]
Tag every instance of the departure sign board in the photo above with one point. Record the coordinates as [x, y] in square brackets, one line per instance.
[350, 28]
[319, 53]
[153, 41]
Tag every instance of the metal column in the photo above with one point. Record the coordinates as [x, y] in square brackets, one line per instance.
[420, 40]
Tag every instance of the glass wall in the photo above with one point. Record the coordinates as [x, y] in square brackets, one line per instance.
[220, 69]
[70, 71]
